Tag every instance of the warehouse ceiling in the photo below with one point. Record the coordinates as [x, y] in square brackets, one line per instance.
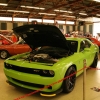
[50, 9]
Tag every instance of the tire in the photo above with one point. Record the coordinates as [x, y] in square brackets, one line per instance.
[69, 83]
[95, 61]
[4, 54]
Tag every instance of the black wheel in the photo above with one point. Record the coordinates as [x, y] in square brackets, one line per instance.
[4, 54]
[95, 61]
[69, 83]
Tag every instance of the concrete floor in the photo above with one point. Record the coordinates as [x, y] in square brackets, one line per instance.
[8, 92]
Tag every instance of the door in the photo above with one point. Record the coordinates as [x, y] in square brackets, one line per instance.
[22, 47]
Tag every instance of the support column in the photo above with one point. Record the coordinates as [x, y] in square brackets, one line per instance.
[9, 26]
[64, 27]
[76, 25]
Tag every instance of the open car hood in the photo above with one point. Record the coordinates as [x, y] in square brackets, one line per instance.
[41, 35]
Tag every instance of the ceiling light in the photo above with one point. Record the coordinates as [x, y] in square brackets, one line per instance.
[18, 11]
[82, 13]
[42, 13]
[3, 4]
[69, 11]
[63, 11]
[68, 16]
[97, 14]
[97, 0]
[56, 10]
[60, 10]
[32, 7]
[50, 14]
[47, 14]
[3, 10]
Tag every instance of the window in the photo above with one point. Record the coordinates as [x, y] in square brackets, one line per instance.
[73, 45]
[84, 44]
[87, 44]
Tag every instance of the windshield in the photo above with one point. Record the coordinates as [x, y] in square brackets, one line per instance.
[2, 37]
[20, 42]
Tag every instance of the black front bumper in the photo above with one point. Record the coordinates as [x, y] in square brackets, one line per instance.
[47, 94]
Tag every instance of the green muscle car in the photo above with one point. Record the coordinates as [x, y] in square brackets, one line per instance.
[53, 57]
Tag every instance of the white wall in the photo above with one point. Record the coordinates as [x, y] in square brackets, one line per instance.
[96, 28]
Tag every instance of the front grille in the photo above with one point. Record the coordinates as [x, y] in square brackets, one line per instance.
[28, 84]
[28, 70]
[20, 69]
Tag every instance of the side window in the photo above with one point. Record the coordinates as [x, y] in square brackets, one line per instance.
[82, 46]
[73, 45]
[87, 44]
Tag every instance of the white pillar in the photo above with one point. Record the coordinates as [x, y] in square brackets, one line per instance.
[9, 25]
[71, 28]
[64, 27]
[76, 28]
[87, 27]
[81, 28]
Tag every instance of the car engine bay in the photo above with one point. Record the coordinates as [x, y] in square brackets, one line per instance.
[46, 55]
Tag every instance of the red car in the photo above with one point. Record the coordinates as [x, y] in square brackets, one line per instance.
[95, 41]
[13, 49]
[4, 40]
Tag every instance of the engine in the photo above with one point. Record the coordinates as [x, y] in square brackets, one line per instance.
[43, 58]
[47, 55]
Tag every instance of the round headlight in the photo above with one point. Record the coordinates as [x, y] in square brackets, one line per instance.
[51, 72]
